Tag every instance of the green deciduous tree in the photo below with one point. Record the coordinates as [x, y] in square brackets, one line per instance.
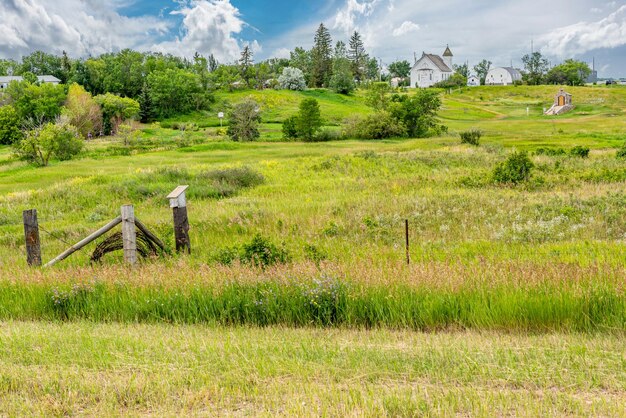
[535, 66]
[482, 69]
[243, 121]
[175, 91]
[10, 125]
[115, 110]
[82, 111]
[400, 69]
[377, 96]
[32, 101]
[571, 72]
[417, 112]
[60, 141]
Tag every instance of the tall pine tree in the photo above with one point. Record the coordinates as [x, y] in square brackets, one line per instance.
[246, 65]
[357, 56]
[322, 60]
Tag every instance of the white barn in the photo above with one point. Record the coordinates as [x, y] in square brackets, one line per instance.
[503, 76]
[43, 79]
[430, 69]
[473, 81]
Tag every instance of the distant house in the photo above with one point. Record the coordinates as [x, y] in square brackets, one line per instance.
[473, 81]
[503, 76]
[43, 79]
[430, 69]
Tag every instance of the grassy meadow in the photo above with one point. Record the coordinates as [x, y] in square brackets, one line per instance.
[513, 304]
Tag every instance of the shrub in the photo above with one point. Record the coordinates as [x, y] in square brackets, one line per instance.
[552, 152]
[471, 137]
[377, 126]
[60, 141]
[325, 135]
[244, 121]
[621, 153]
[516, 169]
[260, 252]
[579, 151]
[292, 79]
[290, 127]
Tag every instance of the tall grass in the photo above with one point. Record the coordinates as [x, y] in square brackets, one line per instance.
[327, 300]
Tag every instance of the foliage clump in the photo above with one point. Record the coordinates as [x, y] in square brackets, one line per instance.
[292, 79]
[376, 126]
[471, 137]
[579, 151]
[244, 121]
[10, 131]
[516, 169]
[306, 123]
[621, 153]
[259, 252]
[52, 140]
[418, 112]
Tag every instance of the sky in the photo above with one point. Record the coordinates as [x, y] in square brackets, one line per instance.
[500, 31]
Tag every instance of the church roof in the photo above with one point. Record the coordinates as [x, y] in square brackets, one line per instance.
[447, 52]
[438, 61]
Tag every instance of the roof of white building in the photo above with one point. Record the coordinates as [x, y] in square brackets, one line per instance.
[437, 60]
[42, 78]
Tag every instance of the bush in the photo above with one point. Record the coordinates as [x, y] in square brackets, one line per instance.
[306, 123]
[325, 135]
[290, 127]
[260, 252]
[377, 126]
[471, 137]
[552, 152]
[579, 151]
[417, 112]
[516, 169]
[243, 121]
[60, 141]
[292, 79]
[621, 153]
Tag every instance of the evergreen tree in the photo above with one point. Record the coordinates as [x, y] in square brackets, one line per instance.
[213, 64]
[321, 58]
[146, 109]
[246, 65]
[357, 56]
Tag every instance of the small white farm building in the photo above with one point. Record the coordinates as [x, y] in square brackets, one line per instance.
[502, 76]
[43, 79]
[473, 81]
[430, 69]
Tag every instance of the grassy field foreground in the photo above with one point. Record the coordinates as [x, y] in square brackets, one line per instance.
[103, 369]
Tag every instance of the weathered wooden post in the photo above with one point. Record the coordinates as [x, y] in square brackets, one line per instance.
[129, 235]
[178, 203]
[31, 235]
[408, 248]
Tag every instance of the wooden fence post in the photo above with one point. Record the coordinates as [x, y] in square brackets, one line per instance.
[129, 235]
[178, 203]
[408, 248]
[31, 235]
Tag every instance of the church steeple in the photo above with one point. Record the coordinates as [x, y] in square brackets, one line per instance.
[447, 56]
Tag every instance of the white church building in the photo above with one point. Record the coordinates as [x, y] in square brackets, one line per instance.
[430, 69]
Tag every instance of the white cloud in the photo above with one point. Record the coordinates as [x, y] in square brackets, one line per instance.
[406, 27]
[81, 27]
[93, 27]
[347, 17]
[582, 37]
[209, 27]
